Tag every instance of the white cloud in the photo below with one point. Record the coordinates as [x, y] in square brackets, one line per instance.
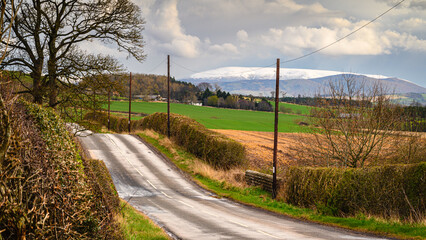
[290, 6]
[406, 41]
[242, 35]
[295, 41]
[337, 22]
[165, 30]
[413, 25]
[226, 48]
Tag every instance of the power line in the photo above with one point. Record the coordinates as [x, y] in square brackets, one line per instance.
[297, 58]
[188, 69]
[340, 39]
[150, 71]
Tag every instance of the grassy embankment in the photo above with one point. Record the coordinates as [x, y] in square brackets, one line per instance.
[220, 118]
[135, 225]
[262, 199]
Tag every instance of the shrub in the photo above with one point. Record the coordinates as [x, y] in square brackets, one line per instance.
[45, 191]
[386, 191]
[285, 109]
[117, 124]
[214, 148]
[102, 184]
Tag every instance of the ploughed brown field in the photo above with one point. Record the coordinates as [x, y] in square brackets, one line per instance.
[259, 149]
[260, 145]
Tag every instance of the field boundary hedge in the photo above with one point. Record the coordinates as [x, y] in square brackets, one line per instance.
[214, 148]
[386, 191]
[117, 124]
[45, 190]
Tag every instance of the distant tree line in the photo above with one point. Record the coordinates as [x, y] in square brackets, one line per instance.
[219, 98]
[416, 118]
[309, 101]
[144, 84]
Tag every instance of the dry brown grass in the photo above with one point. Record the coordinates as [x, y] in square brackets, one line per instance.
[292, 149]
[234, 177]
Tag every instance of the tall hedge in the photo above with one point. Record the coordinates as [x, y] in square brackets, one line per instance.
[45, 192]
[214, 148]
[117, 124]
[386, 191]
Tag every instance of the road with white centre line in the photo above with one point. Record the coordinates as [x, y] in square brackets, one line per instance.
[153, 186]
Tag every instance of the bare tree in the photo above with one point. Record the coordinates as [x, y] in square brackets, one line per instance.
[5, 26]
[203, 86]
[351, 122]
[5, 33]
[46, 37]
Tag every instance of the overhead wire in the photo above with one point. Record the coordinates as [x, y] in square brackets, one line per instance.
[347, 35]
[156, 66]
[297, 58]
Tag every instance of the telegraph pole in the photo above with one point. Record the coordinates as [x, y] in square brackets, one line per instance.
[130, 99]
[168, 96]
[109, 103]
[277, 95]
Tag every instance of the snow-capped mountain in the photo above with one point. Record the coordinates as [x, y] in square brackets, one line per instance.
[253, 73]
[306, 82]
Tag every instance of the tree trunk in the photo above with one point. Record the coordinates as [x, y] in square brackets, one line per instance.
[53, 87]
[37, 91]
[5, 131]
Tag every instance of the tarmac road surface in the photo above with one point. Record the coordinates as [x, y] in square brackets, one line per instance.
[155, 187]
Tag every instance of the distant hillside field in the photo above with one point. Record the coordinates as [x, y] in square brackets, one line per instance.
[220, 118]
[295, 108]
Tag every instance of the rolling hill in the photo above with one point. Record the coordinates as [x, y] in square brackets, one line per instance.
[305, 82]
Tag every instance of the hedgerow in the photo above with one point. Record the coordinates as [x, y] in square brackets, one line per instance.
[214, 148]
[117, 124]
[44, 188]
[386, 191]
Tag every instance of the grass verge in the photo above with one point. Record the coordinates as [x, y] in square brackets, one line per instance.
[262, 199]
[137, 226]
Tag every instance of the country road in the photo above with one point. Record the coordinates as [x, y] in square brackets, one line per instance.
[152, 185]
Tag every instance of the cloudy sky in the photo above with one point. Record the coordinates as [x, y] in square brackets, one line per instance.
[206, 34]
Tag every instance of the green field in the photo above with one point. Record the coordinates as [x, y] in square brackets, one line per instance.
[220, 118]
[296, 108]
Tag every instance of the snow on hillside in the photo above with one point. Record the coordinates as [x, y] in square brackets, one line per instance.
[249, 73]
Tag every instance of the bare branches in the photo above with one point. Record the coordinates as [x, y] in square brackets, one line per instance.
[46, 35]
[6, 23]
[353, 120]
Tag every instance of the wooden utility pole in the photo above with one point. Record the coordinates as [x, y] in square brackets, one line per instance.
[277, 95]
[130, 99]
[109, 104]
[168, 96]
